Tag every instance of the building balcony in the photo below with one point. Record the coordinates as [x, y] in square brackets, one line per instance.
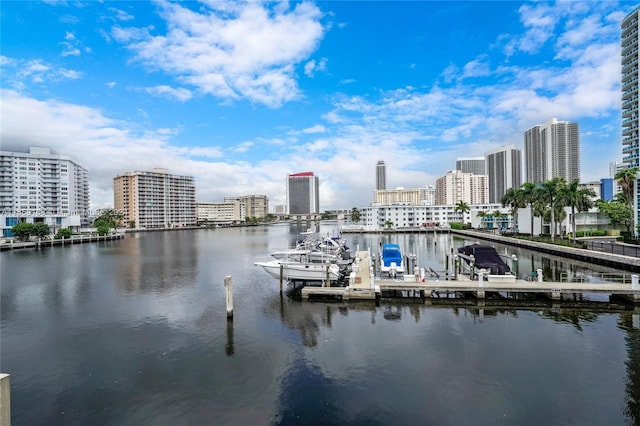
[628, 27]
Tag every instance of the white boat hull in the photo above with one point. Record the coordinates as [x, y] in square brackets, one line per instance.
[301, 271]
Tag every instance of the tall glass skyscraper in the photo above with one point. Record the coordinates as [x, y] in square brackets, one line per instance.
[504, 171]
[302, 193]
[381, 176]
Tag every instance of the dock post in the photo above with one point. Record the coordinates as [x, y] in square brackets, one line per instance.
[228, 285]
[281, 276]
[5, 400]
[634, 282]
[514, 264]
[456, 266]
[480, 293]
[472, 263]
[539, 275]
[446, 266]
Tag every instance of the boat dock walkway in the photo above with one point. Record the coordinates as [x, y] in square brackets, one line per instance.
[364, 286]
[361, 286]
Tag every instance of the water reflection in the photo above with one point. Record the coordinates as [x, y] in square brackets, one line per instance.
[135, 332]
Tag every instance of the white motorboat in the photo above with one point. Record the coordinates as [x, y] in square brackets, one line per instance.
[303, 255]
[300, 271]
[391, 260]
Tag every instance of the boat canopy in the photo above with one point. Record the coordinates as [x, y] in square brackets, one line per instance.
[486, 257]
[391, 253]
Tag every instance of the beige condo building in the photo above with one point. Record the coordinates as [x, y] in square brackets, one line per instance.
[155, 200]
[456, 186]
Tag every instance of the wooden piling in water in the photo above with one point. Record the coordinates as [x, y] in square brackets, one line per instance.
[5, 400]
[228, 286]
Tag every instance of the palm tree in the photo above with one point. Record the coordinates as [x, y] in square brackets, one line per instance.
[576, 198]
[514, 198]
[626, 179]
[497, 218]
[548, 192]
[528, 198]
[481, 214]
[463, 208]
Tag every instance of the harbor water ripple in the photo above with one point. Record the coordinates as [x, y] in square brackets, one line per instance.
[135, 332]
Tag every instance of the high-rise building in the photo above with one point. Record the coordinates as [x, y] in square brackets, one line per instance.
[630, 102]
[303, 193]
[552, 150]
[42, 186]
[155, 200]
[504, 171]
[381, 176]
[476, 165]
[457, 186]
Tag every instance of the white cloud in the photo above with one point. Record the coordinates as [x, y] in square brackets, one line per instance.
[231, 50]
[318, 128]
[311, 67]
[18, 72]
[180, 94]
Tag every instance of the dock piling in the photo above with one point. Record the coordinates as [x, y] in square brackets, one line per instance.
[539, 275]
[5, 400]
[228, 286]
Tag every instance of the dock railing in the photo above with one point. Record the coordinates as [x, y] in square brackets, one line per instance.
[596, 277]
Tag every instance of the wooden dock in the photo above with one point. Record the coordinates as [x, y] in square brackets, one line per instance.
[361, 286]
[364, 286]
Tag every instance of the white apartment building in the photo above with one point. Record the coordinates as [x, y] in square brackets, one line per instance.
[399, 216]
[155, 200]
[228, 212]
[428, 196]
[552, 150]
[629, 28]
[42, 186]
[457, 186]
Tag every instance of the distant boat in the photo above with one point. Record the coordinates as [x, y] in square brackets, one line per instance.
[392, 262]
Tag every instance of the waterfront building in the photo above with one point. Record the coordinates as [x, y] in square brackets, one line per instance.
[228, 212]
[303, 194]
[155, 200]
[407, 216]
[476, 166]
[552, 150]
[42, 186]
[381, 176]
[457, 186]
[252, 205]
[504, 171]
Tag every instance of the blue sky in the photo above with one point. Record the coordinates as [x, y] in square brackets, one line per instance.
[238, 94]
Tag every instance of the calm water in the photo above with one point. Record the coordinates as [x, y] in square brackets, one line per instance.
[134, 332]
